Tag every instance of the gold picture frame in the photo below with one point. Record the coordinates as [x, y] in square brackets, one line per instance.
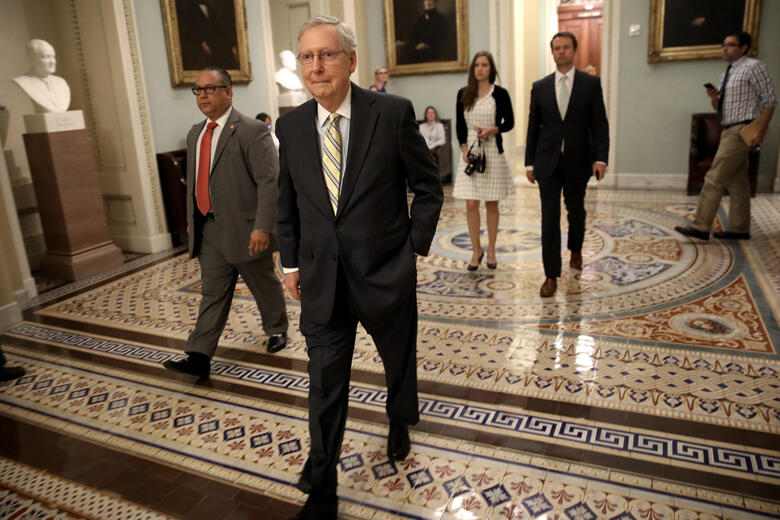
[420, 42]
[200, 33]
[677, 32]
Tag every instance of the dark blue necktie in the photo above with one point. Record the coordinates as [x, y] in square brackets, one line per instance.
[723, 93]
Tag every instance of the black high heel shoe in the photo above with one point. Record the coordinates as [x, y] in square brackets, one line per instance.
[475, 267]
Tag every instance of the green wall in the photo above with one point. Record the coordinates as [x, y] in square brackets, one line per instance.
[173, 110]
[438, 90]
[656, 100]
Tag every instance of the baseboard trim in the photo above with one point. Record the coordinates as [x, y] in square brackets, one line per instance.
[652, 181]
[10, 314]
[141, 244]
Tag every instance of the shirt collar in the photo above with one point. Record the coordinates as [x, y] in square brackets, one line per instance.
[344, 110]
[221, 120]
[739, 61]
[569, 75]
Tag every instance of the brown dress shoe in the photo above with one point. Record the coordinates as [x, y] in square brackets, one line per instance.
[548, 287]
[576, 261]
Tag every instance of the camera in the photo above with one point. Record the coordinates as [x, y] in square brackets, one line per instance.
[476, 162]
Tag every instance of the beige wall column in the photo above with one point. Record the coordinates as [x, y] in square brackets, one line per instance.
[610, 59]
[102, 46]
[776, 188]
[11, 286]
[13, 257]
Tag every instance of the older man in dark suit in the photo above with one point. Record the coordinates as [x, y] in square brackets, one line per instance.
[567, 142]
[348, 241]
[232, 174]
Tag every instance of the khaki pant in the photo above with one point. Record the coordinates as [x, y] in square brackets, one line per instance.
[729, 171]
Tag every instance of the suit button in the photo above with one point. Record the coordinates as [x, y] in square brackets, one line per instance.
[338, 226]
[333, 257]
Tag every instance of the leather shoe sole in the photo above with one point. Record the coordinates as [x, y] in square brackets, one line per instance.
[318, 508]
[731, 235]
[398, 443]
[548, 288]
[691, 232]
[276, 343]
[185, 366]
[11, 373]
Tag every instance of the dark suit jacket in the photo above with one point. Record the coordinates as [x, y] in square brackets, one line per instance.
[584, 129]
[374, 233]
[243, 185]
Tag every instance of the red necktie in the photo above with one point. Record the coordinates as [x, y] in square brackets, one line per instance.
[204, 167]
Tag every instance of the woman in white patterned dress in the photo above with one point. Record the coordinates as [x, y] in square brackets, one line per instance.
[484, 111]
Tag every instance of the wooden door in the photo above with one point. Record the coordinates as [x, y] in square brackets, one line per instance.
[586, 24]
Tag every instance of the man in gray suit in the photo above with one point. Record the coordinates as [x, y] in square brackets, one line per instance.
[232, 172]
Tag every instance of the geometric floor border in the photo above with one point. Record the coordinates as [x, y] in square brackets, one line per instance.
[722, 458]
[440, 475]
[29, 493]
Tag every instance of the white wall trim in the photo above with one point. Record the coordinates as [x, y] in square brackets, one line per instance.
[141, 243]
[610, 54]
[22, 297]
[10, 314]
[270, 59]
[348, 8]
[650, 181]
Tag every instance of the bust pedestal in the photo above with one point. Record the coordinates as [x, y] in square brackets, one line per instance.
[64, 174]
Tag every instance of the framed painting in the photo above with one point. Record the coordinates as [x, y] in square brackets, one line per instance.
[694, 29]
[426, 36]
[202, 33]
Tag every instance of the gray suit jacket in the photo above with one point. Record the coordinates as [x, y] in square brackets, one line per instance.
[243, 185]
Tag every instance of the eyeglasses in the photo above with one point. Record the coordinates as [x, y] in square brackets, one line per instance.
[729, 44]
[209, 89]
[307, 58]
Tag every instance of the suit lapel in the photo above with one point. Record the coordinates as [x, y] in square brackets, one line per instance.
[231, 125]
[576, 88]
[307, 142]
[192, 151]
[552, 99]
[361, 130]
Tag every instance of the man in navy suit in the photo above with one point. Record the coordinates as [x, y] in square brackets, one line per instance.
[349, 240]
[567, 142]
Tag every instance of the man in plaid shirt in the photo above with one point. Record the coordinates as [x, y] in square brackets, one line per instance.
[746, 93]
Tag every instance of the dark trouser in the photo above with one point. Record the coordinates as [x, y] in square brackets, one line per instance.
[330, 348]
[574, 198]
[218, 279]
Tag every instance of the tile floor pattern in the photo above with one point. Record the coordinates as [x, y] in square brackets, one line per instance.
[27, 493]
[655, 329]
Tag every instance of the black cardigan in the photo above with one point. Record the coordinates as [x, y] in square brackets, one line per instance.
[505, 119]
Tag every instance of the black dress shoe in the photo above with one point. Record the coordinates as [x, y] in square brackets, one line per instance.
[398, 443]
[193, 365]
[691, 232]
[731, 235]
[11, 373]
[276, 343]
[319, 508]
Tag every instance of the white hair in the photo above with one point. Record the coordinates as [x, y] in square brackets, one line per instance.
[346, 34]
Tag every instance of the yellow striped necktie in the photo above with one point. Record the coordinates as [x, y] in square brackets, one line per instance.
[331, 160]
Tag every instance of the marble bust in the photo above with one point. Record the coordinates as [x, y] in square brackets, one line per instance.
[49, 93]
[287, 81]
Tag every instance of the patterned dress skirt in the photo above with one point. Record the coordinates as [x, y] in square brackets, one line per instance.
[496, 182]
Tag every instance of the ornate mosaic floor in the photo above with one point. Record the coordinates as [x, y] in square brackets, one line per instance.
[647, 388]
